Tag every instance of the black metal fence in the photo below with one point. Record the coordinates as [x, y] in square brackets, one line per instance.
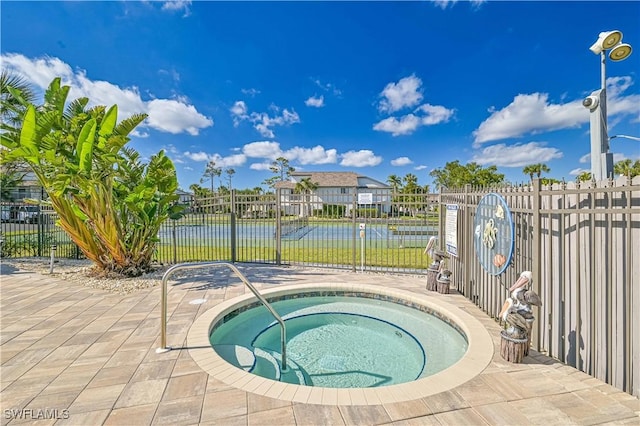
[349, 228]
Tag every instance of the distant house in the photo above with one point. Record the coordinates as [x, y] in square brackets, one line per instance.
[184, 197]
[347, 189]
[27, 188]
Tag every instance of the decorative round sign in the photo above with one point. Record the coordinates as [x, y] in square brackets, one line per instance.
[493, 234]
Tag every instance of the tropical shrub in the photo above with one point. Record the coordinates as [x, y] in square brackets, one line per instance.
[108, 201]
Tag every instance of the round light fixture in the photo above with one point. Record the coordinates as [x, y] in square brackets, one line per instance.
[620, 52]
[611, 38]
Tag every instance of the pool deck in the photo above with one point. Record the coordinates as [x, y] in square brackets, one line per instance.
[88, 357]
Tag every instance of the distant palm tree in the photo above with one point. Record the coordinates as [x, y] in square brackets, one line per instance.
[230, 172]
[627, 168]
[306, 187]
[395, 182]
[210, 172]
[584, 177]
[536, 169]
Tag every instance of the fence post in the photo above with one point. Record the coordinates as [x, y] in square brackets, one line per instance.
[354, 212]
[233, 226]
[278, 226]
[174, 242]
[39, 228]
[536, 258]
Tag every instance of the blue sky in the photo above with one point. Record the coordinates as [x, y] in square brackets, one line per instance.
[377, 88]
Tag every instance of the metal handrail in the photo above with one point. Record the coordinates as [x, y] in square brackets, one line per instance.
[180, 266]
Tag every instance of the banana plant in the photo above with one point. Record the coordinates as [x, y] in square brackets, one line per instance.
[111, 204]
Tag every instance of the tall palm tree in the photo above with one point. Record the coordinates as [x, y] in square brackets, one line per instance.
[15, 93]
[627, 168]
[535, 169]
[210, 172]
[230, 172]
[395, 182]
[306, 186]
[584, 177]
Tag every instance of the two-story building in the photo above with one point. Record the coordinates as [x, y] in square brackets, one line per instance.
[344, 190]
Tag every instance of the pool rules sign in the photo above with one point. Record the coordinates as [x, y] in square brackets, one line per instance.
[451, 230]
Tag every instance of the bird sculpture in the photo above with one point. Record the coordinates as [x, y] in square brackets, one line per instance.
[431, 245]
[517, 311]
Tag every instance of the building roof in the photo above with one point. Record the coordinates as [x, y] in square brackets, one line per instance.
[328, 180]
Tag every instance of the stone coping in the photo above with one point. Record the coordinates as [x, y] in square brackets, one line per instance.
[478, 356]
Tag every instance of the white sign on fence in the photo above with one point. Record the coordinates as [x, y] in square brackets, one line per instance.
[451, 230]
[365, 198]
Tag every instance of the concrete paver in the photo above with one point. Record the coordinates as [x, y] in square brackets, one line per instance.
[80, 356]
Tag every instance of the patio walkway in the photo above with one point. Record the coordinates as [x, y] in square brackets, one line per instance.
[74, 355]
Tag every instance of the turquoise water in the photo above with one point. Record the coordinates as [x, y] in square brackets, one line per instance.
[342, 342]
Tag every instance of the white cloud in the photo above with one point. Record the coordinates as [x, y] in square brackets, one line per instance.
[262, 122]
[420, 167]
[533, 113]
[260, 166]
[404, 93]
[585, 158]
[407, 93]
[401, 161]
[328, 87]
[262, 149]
[576, 172]
[165, 115]
[517, 155]
[405, 126]
[434, 114]
[361, 158]
[443, 4]
[175, 117]
[250, 92]
[197, 156]
[314, 101]
[271, 150]
[176, 5]
[315, 155]
[229, 161]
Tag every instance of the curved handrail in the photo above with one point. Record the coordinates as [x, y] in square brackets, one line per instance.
[180, 266]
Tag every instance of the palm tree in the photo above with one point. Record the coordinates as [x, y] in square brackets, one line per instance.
[306, 187]
[627, 168]
[230, 172]
[15, 93]
[395, 182]
[536, 169]
[210, 172]
[584, 177]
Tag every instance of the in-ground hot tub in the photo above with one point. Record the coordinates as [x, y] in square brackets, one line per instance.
[368, 344]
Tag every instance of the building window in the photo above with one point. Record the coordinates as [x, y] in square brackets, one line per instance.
[344, 190]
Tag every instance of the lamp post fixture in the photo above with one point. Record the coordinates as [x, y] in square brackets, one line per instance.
[601, 158]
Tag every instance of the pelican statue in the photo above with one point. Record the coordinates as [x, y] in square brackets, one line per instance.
[521, 284]
[518, 319]
[431, 245]
[516, 310]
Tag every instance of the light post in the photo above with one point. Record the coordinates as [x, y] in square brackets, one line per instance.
[601, 158]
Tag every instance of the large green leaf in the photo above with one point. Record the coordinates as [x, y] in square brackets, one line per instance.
[84, 149]
[28, 132]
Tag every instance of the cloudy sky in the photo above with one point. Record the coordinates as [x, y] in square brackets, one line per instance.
[372, 87]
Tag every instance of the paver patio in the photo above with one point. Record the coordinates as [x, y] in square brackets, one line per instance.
[75, 355]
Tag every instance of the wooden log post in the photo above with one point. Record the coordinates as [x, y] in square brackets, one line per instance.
[511, 349]
[442, 286]
[432, 274]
